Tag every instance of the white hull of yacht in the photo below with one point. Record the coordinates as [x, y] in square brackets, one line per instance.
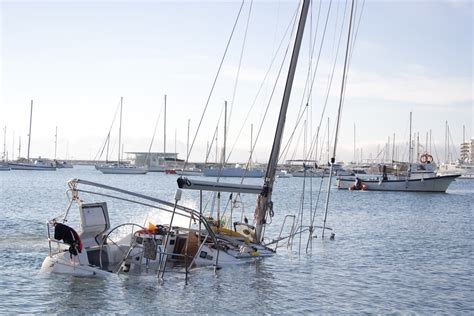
[63, 263]
[431, 184]
[122, 170]
[157, 168]
[64, 165]
[189, 172]
[465, 171]
[30, 166]
[233, 173]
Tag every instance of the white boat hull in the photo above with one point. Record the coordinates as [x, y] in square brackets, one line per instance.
[233, 172]
[431, 184]
[64, 166]
[157, 169]
[122, 170]
[189, 173]
[30, 166]
[63, 263]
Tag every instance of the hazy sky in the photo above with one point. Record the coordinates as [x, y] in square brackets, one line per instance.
[75, 59]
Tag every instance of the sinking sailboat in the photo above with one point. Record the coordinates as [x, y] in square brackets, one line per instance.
[159, 248]
[152, 249]
[142, 250]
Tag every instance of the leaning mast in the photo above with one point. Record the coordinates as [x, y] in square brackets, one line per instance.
[264, 201]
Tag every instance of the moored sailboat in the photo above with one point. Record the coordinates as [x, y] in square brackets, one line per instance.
[38, 164]
[120, 167]
[419, 177]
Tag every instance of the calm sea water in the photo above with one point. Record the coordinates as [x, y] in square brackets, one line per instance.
[393, 252]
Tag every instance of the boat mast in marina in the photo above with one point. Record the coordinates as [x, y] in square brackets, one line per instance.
[164, 134]
[120, 130]
[120, 168]
[38, 164]
[4, 158]
[410, 149]
[55, 142]
[4, 161]
[29, 133]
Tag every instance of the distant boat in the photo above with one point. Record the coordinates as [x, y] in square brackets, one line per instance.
[283, 174]
[58, 163]
[428, 184]
[62, 164]
[157, 168]
[465, 171]
[185, 172]
[420, 177]
[4, 167]
[233, 172]
[119, 167]
[310, 172]
[39, 164]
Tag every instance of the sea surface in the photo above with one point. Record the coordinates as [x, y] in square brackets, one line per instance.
[392, 253]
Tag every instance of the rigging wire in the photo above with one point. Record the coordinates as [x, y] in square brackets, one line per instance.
[154, 133]
[215, 134]
[271, 96]
[328, 90]
[214, 83]
[292, 22]
[338, 120]
[297, 144]
[312, 83]
[356, 31]
[107, 139]
[286, 148]
[269, 102]
[238, 69]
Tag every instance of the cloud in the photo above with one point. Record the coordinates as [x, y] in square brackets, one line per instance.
[464, 5]
[413, 86]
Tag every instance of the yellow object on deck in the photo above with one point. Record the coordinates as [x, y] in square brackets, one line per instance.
[226, 231]
[151, 227]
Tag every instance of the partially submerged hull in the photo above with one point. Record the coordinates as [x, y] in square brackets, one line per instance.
[431, 184]
[137, 263]
[99, 250]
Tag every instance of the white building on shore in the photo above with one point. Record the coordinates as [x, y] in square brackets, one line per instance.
[467, 152]
[153, 159]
